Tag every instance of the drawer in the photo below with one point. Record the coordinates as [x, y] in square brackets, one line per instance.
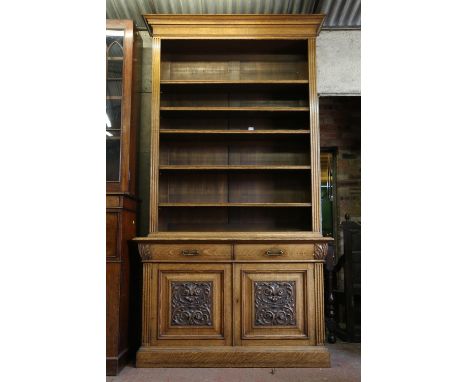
[190, 252]
[275, 251]
[112, 201]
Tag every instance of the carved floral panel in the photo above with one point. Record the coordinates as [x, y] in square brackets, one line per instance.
[191, 303]
[275, 303]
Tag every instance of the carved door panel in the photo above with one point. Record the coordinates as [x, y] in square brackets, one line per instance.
[193, 305]
[273, 304]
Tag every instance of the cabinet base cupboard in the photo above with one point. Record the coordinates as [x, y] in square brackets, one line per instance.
[233, 263]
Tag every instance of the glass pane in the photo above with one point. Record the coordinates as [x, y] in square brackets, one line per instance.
[113, 111]
[114, 68]
[114, 46]
[114, 88]
[113, 159]
[326, 187]
[114, 54]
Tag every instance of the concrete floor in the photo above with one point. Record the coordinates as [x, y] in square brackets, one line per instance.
[345, 358]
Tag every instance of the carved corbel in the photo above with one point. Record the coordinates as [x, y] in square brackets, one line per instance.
[145, 252]
[320, 251]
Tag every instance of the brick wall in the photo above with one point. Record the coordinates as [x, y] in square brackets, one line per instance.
[340, 128]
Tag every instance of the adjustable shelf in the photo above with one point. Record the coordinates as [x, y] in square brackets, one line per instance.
[233, 82]
[233, 167]
[274, 205]
[233, 132]
[231, 108]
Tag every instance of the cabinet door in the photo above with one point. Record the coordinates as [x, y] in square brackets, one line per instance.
[193, 305]
[273, 304]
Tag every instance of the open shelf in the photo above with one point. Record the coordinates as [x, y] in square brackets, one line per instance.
[229, 60]
[234, 136]
[236, 188]
[234, 120]
[248, 219]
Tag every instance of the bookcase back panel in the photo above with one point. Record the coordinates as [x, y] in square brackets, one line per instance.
[189, 187]
[269, 188]
[281, 151]
[228, 60]
[234, 121]
[228, 68]
[193, 153]
[235, 96]
[234, 187]
[276, 150]
[243, 219]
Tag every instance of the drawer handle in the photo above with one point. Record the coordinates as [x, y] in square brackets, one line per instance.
[190, 252]
[274, 252]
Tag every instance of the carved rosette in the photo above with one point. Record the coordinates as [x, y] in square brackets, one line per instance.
[145, 252]
[320, 251]
[191, 303]
[275, 303]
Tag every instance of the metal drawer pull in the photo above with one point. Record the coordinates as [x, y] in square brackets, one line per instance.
[274, 252]
[190, 252]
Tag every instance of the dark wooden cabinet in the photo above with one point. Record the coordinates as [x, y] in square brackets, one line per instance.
[348, 296]
[121, 112]
[233, 263]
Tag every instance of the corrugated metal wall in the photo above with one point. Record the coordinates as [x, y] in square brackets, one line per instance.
[340, 13]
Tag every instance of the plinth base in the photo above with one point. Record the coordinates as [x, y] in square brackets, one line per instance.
[234, 356]
[115, 364]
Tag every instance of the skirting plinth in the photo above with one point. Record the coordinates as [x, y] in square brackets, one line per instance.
[115, 364]
[233, 356]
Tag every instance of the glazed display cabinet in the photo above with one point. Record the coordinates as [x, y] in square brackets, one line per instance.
[122, 49]
[233, 262]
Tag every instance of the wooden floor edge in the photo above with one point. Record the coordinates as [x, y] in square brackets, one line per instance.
[316, 356]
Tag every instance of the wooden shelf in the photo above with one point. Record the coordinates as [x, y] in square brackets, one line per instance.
[233, 82]
[229, 236]
[233, 167]
[113, 97]
[233, 132]
[235, 205]
[244, 108]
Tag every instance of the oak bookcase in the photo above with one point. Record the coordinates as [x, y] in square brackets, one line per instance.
[233, 262]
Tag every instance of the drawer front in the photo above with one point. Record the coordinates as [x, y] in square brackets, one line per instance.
[274, 251]
[190, 252]
[113, 201]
